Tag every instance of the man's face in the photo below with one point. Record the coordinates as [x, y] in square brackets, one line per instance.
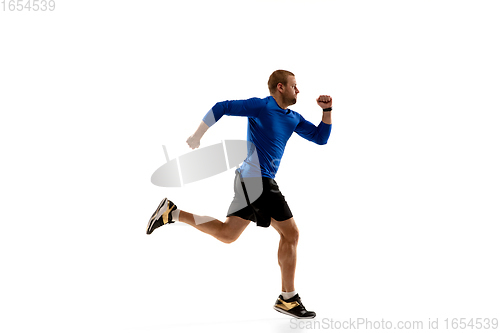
[290, 91]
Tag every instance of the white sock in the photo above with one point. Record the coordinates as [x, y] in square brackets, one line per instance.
[197, 219]
[288, 294]
[175, 214]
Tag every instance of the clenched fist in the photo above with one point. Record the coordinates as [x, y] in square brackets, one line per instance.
[193, 142]
[324, 101]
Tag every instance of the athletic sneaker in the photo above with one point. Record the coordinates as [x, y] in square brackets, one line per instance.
[162, 215]
[293, 307]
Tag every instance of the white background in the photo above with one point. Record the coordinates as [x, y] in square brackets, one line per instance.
[398, 213]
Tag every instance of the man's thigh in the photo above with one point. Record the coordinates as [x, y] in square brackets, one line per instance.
[236, 223]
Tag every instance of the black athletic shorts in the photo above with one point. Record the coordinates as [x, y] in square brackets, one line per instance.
[258, 199]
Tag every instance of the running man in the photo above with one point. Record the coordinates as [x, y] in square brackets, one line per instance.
[257, 196]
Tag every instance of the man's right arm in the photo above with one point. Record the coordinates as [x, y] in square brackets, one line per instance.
[245, 108]
[194, 140]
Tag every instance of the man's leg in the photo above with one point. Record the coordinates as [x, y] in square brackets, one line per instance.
[287, 258]
[226, 232]
[287, 251]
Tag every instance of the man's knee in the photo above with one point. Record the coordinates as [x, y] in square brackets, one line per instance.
[232, 229]
[288, 230]
[228, 238]
[291, 236]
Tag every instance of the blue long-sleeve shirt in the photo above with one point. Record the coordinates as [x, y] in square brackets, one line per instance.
[269, 128]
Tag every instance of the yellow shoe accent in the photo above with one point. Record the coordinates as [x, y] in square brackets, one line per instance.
[287, 305]
[165, 215]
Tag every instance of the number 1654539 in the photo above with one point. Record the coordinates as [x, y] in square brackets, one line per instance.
[28, 5]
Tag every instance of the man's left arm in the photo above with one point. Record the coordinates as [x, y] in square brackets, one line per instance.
[317, 134]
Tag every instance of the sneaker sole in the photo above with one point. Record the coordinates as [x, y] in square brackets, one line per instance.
[291, 315]
[162, 208]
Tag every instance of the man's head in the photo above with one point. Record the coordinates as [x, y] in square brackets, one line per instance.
[283, 87]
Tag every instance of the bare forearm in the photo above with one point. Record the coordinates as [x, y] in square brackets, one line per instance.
[327, 117]
[201, 130]
[194, 140]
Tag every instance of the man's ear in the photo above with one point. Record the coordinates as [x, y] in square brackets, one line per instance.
[280, 87]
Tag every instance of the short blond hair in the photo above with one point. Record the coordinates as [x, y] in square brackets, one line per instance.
[279, 76]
